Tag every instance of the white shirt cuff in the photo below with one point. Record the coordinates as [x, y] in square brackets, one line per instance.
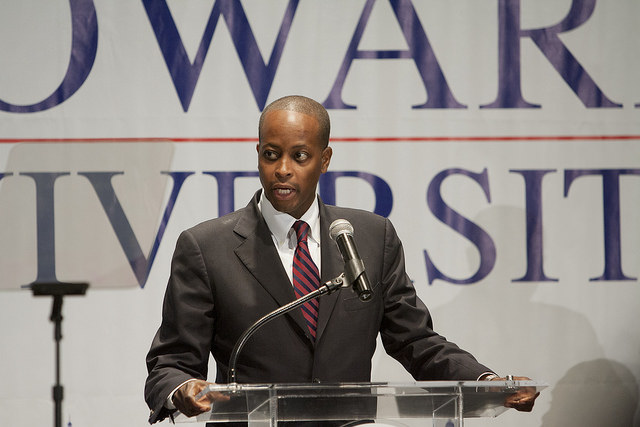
[488, 376]
[169, 402]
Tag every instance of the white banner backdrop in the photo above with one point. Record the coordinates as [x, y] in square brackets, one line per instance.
[501, 137]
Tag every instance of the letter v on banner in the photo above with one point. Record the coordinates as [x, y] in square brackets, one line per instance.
[140, 264]
[185, 74]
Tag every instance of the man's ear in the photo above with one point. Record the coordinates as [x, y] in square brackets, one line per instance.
[258, 147]
[326, 159]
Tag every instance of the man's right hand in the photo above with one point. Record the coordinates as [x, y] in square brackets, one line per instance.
[185, 401]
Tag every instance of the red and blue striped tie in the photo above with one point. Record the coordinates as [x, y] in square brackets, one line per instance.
[305, 276]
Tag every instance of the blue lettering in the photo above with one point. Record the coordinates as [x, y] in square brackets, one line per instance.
[84, 45]
[476, 235]
[611, 216]
[548, 41]
[45, 223]
[384, 197]
[226, 190]
[535, 244]
[140, 264]
[185, 74]
[438, 93]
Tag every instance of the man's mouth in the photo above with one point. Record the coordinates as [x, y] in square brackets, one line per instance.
[283, 192]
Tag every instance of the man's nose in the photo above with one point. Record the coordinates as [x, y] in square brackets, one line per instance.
[283, 168]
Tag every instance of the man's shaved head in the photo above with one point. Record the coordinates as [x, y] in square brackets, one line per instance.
[304, 105]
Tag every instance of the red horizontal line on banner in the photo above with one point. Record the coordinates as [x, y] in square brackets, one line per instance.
[115, 140]
[491, 138]
[340, 139]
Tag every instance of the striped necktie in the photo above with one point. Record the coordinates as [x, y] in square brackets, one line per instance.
[305, 276]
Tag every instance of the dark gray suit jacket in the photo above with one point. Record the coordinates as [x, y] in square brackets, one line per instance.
[226, 273]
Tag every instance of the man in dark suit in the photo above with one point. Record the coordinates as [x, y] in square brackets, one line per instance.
[228, 272]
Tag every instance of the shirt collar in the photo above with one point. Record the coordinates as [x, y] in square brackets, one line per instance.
[280, 223]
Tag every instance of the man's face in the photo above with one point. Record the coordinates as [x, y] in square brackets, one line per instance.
[290, 160]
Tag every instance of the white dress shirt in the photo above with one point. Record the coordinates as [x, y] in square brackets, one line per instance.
[284, 237]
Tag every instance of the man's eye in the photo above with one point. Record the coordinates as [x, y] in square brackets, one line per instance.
[270, 155]
[302, 156]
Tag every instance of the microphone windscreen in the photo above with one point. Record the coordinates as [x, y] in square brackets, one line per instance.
[340, 226]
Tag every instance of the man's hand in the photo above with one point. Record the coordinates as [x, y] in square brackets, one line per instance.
[185, 401]
[523, 399]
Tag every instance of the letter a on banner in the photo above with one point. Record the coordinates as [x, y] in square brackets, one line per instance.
[435, 83]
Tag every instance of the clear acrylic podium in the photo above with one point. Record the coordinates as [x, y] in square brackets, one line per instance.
[441, 403]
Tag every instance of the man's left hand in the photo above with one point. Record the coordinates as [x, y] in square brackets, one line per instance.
[523, 399]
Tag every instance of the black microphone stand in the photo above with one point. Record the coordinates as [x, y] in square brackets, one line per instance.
[327, 288]
[58, 290]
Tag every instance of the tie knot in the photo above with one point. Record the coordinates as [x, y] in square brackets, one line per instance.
[302, 229]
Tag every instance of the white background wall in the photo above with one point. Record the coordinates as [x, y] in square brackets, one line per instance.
[581, 336]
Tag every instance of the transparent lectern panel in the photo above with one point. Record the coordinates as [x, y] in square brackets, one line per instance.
[445, 403]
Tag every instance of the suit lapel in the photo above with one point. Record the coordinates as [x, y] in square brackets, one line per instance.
[332, 266]
[259, 255]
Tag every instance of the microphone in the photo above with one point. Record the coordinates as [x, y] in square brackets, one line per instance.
[341, 231]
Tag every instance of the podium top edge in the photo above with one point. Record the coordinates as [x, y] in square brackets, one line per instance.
[366, 385]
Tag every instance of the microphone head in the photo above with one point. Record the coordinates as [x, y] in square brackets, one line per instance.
[340, 226]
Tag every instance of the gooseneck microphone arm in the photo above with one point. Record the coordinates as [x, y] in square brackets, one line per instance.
[327, 288]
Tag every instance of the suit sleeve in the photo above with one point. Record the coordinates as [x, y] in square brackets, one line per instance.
[407, 328]
[180, 349]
